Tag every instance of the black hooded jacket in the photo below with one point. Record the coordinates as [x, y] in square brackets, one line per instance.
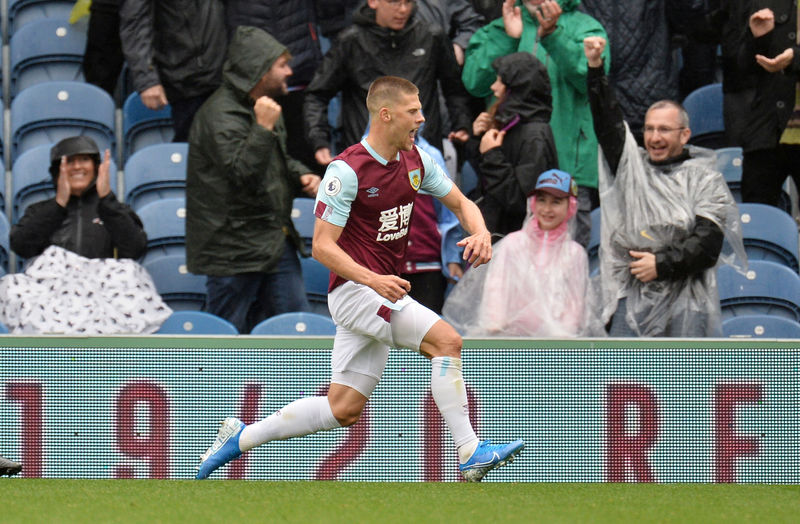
[89, 226]
[508, 174]
[365, 51]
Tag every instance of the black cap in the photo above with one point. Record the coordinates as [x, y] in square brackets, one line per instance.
[74, 145]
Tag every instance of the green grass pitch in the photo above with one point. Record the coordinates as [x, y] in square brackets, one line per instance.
[156, 501]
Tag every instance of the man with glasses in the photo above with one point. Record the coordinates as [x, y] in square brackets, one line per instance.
[386, 38]
[665, 214]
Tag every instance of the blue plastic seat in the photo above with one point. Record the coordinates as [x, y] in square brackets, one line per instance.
[46, 50]
[302, 324]
[165, 224]
[142, 127]
[760, 326]
[23, 12]
[180, 289]
[196, 323]
[316, 278]
[303, 218]
[704, 106]
[31, 181]
[5, 228]
[769, 234]
[729, 163]
[47, 112]
[155, 173]
[767, 289]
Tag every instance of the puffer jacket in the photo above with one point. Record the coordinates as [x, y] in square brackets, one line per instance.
[179, 44]
[90, 226]
[240, 181]
[291, 23]
[508, 173]
[642, 71]
[365, 51]
[562, 53]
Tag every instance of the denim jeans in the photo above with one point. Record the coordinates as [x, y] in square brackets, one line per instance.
[248, 298]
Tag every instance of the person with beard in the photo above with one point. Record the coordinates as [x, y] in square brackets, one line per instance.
[386, 38]
[516, 142]
[240, 185]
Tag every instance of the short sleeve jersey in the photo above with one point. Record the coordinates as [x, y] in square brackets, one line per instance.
[372, 199]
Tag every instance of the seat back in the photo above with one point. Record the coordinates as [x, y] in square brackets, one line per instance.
[729, 163]
[769, 234]
[165, 224]
[196, 323]
[4, 249]
[46, 50]
[704, 106]
[760, 326]
[303, 218]
[48, 112]
[142, 127]
[302, 324]
[766, 289]
[180, 289]
[155, 173]
[22, 12]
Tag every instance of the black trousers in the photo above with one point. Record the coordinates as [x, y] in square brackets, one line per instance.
[103, 59]
[764, 171]
[428, 289]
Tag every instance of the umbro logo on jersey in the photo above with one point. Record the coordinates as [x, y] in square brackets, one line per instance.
[418, 52]
[372, 192]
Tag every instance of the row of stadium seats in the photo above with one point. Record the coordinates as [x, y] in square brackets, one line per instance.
[24, 12]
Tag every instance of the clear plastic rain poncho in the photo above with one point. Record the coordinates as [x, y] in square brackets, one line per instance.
[536, 284]
[647, 208]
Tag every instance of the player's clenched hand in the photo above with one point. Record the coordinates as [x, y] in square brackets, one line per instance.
[477, 248]
[390, 287]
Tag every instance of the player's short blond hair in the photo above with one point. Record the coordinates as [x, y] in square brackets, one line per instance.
[386, 90]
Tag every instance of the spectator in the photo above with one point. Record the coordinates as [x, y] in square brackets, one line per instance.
[488, 9]
[293, 24]
[175, 50]
[537, 283]
[554, 32]
[75, 285]
[9, 467]
[240, 185]
[103, 59]
[388, 40]
[84, 217]
[456, 17]
[335, 16]
[517, 144]
[665, 212]
[642, 70]
[761, 95]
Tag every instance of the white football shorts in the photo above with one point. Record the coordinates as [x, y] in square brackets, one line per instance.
[367, 325]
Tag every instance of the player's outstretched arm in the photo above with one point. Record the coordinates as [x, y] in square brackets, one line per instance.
[478, 245]
[325, 249]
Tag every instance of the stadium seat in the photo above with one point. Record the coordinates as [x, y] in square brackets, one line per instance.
[155, 173]
[31, 180]
[704, 106]
[46, 50]
[22, 12]
[196, 323]
[296, 324]
[4, 249]
[769, 234]
[766, 289]
[760, 326]
[729, 163]
[165, 224]
[3, 329]
[593, 249]
[303, 218]
[47, 112]
[180, 289]
[316, 277]
[142, 127]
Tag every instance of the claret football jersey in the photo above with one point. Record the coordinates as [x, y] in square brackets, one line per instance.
[372, 199]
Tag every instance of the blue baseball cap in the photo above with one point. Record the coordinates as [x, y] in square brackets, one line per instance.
[558, 183]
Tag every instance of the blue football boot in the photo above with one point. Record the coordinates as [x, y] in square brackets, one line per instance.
[488, 457]
[224, 449]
